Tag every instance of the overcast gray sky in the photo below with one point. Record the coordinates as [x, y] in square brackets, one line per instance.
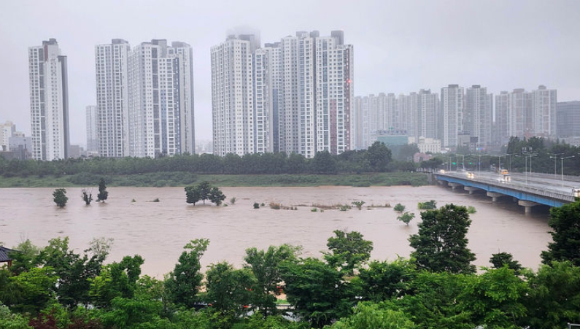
[400, 46]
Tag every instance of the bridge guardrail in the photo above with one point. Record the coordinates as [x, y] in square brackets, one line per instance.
[515, 186]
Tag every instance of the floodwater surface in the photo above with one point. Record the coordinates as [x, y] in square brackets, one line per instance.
[158, 230]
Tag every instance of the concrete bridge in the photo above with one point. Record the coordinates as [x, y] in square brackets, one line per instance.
[529, 190]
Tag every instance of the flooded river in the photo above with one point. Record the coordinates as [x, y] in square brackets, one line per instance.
[158, 230]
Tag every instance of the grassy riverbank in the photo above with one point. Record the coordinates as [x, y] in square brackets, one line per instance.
[162, 179]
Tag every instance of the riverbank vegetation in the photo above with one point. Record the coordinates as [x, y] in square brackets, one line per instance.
[374, 166]
[56, 287]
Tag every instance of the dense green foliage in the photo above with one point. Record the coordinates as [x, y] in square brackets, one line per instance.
[103, 194]
[55, 288]
[86, 196]
[59, 197]
[565, 221]
[204, 191]
[406, 218]
[427, 205]
[348, 250]
[441, 244]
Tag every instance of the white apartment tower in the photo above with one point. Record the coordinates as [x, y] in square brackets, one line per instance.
[92, 129]
[48, 101]
[232, 96]
[500, 123]
[428, 109]
[479, 114]
[7, 130]
[160, 107]
[292, 96]
[544, 112]
[451, 115]
[111, 66]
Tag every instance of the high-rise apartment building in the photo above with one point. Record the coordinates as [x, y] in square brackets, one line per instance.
[111, 64]
[291, 96]
[451, 115]
[92, 129]
[428, 108]
[233, 96]
[478, 116]
[48, 101]
[500, 122]
[568, 119]
[543, 113]
[160, 107]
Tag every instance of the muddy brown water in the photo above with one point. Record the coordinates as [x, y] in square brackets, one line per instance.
[158, 230]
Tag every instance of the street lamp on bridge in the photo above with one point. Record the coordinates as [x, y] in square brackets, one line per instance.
[572, 156]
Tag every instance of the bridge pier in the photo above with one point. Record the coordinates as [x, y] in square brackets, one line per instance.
[453, 185]
[470, 189]
[494, 196]
[442, 182]
[527, 205]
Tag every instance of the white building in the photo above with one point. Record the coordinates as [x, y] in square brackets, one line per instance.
[451, 115]
[479, 114]
[427, 111]
[48, 101]
[92, 126]
[429, 145]
[7, 130]
[232, 96]
[292, 96]
[500, 124]
[160, 107]
[543, 112]
[111, 64]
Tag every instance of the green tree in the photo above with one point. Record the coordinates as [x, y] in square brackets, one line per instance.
[383, 280]
[60, 197]
[441, 244]
[184, 282]
[495, 298]
[406, 217]
[216, 196]
[379, 156]
[30, 291]
[554, 296]
[348, 250]
[358, 204]
[73, 270]
[501, 259]
[25, 259]
[367, 316]
[87, 197]
[317, 291]
[204, 189]
[434, 301]
[103, 194]
[115, 280]
[192, 194]
[323, 163]
[565, 245]
[9, 320]
[399, 207]
[228, 289]
[132, 313]
[265, 265]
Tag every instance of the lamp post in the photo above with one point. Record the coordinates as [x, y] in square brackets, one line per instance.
[555, 157]
[529, 156]
[563, 164]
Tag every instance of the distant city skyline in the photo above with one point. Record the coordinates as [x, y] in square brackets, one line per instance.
[500, 45]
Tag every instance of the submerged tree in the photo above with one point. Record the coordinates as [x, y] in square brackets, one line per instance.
[87, 197]
[406, 217]
[60, 197]
[103, 194]
[204, 191]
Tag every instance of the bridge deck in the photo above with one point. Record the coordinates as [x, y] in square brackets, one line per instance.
[543, 190]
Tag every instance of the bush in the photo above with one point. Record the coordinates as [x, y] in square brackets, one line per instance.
[358, 204]
[155, 200]
[256, 205]
[233, 200]
[60, 197]
[275, 205]
[427, 205]
[399, 207]
[314, 209]
[471, 210]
